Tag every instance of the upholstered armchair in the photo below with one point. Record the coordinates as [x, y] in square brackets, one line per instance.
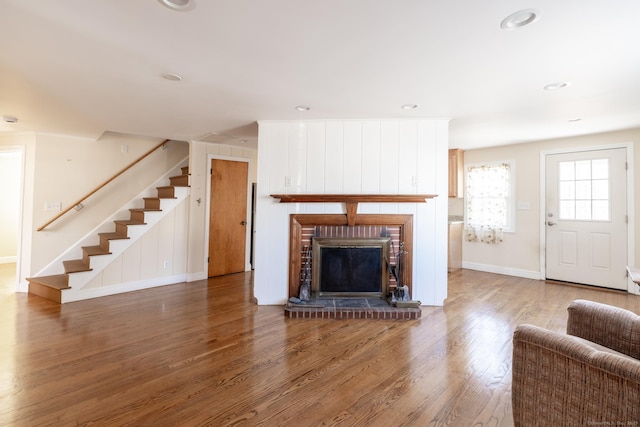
[590, 376]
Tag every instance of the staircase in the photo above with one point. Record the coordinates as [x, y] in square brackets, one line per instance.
[52, 287]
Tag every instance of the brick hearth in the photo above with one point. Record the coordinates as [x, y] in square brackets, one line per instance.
[350, 308]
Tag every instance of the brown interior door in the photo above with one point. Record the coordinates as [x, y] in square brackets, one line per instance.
[228, 216]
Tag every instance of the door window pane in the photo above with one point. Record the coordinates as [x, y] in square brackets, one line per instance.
[583, 209]
[584, 190]
[600, 189]
[600, 169]
[567, 190]
[583, 169]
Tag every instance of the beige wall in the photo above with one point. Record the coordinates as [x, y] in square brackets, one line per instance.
[67, 168]
[520, 252]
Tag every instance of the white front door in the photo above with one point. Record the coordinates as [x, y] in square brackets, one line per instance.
[586, 217]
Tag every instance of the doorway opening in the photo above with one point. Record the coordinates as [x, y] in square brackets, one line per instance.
[228, 216]
[11, 161]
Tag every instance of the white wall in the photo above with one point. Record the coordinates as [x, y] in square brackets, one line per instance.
[520, 253]
[160, 253]
[351, 157]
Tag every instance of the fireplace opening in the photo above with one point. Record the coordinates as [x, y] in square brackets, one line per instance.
[350, 267]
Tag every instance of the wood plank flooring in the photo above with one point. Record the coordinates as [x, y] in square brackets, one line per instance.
[201, 354]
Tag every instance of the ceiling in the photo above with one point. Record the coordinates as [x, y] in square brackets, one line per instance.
[85, 67]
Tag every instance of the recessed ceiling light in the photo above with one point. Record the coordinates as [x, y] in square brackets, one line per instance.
[575, 119]
[10, 119]
[519, 19]
[243, 141]
[302, 108]
[171, 77]
[175, 4]
[556, 85]
[409, 106]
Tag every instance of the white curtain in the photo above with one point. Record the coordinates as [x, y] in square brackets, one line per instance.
[488, 188]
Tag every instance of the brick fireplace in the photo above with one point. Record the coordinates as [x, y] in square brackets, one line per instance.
[390, 233]
[350, 267]
[305, 228]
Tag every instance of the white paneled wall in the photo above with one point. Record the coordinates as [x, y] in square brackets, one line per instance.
[143, 263]
[352, 157]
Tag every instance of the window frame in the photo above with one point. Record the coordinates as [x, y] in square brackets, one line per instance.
[510, 227]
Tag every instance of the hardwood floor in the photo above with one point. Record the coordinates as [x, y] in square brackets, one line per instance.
[201, 354]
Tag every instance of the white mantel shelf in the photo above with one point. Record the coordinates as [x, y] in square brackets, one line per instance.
[352, 200]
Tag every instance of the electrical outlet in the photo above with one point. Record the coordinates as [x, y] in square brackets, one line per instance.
[287, 181]
[124, 148]
[165, 264]
[523, 206]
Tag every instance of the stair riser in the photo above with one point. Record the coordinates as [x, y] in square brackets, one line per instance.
[152, 203]
[104, 244]
[121, 229]
[180, 181]
[185, 170]
[166, 192]
[45, 292]
[137, 216]
[75, 267]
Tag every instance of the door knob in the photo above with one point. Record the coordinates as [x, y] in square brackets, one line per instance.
[243, 222]
[551, 223]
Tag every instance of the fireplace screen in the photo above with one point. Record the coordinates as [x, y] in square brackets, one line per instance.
[350, 267]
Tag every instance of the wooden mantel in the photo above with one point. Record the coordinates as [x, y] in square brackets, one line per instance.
[352, 200]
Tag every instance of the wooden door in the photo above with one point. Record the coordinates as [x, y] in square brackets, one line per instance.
[586, 229]
[228, 217]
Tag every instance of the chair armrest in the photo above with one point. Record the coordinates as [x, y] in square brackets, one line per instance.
[560, 380]
[612, 327]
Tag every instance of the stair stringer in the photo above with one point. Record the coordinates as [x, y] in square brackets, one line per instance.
[78, 281]
[117, 247]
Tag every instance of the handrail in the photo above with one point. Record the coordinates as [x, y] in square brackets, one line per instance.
[95, 190]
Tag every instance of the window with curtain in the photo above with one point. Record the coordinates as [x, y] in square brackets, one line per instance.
[489, 202]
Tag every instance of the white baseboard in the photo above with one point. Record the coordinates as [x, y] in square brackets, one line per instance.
[192, 277]
[8, 259]
[82, 294]
[527, 274]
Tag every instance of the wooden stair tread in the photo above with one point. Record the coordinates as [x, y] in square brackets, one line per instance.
[95, 250]
[129, 222]
[112, 236]
[145, 210]
[75, 266]
[56, 281]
